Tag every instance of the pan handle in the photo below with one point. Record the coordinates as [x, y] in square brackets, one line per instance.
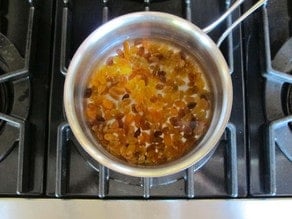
[235, 5]
[213, 25]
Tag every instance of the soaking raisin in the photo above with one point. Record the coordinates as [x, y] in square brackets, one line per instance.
[191, 105]
[88, 92]
[137, 133]
[125, 96]
[157, 133]
[150, 102]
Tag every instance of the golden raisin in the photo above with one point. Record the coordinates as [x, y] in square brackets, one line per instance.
[149, 103]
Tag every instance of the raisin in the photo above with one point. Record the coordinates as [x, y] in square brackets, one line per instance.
[174, 121]
[137, 133]
[141, 51]
[191, 76]
[153, 99]
[125, 96]
[191, 105]
[159, 86]
[134, 110]
[110, 61]
[182, 55]
[181, 113]
[157, 133]
[88, 92]
[187, 130]
[145, 125]
[120, 53]
[205, 96]
[150, 103]
[162, 76]
[193, 123]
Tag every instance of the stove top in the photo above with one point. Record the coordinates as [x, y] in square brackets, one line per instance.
[24, 86]
[39, 155]
[71, 172]
[270, 81]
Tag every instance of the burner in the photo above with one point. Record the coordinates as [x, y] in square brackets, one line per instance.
[278, 92]
[14, 95]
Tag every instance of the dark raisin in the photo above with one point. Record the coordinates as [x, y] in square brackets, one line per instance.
[120, 53]
[162, 76]
[175, 88]
[205, 96]
[153, 99]
[120, 122]
[110, 61]
[193, 90]
[165, 129]
[181, 113]
[159, 86]
[134, 110]
[187, 130]
[120, 115]
[100, 118]
[157, 133]
[145, 125]
[191, 76]
[137, 133]
[182, 55]
[157, 139]
[193, 124]
[191, 105]
[141, 51]
[88, 92]
[125, 96]
[174, 121]
[158, 55]
[147, 55]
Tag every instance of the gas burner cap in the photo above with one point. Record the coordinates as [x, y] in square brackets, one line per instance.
[279, 98]
[278, 103]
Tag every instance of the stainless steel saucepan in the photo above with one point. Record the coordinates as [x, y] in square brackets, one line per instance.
[162, 26]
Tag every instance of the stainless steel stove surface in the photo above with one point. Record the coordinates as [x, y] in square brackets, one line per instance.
[39, 155]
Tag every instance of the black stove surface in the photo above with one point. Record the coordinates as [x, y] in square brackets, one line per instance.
[24, 87]
[268, 98]
[39, 156]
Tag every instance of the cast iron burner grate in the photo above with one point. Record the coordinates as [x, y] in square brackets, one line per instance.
[14, 95]
[3, 105]
[14, 109]
[3, 102]
[72, 174]
[276, 158]
[25, 57]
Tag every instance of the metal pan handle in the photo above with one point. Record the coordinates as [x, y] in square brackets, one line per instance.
[235, 5]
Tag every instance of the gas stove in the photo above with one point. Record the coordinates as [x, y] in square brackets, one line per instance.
[24, 94]
[72, 174]
[39, 155]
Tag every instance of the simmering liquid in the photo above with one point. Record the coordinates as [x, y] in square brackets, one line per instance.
[149, 103]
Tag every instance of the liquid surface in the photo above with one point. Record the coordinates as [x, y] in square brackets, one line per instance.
[149, 103]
